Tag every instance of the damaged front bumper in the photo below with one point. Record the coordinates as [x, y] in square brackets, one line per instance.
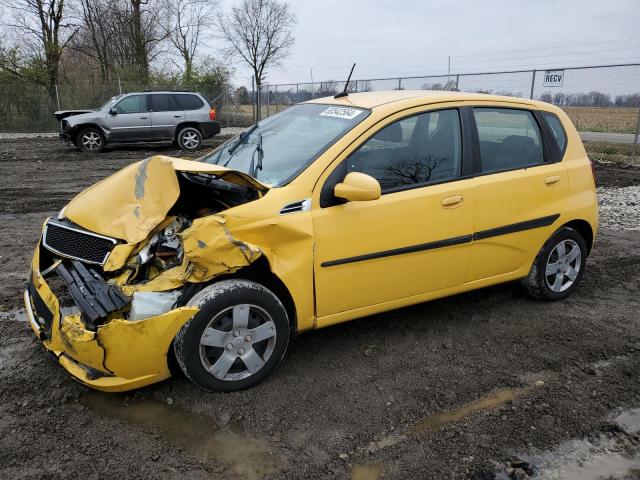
[116, 355]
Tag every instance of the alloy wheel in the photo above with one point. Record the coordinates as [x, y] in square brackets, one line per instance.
[91, 140]
[563, 265]
[190, 139]
[237, 342]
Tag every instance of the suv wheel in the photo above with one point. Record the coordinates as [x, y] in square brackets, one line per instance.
[91, 140]
[558, 267]
[189, 139]
[236, 339]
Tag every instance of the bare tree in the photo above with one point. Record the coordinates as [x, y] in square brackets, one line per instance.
[185, 26]
[41, 31]
[259, 33]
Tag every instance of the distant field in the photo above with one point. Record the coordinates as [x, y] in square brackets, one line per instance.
[601, 119]
[586, 119]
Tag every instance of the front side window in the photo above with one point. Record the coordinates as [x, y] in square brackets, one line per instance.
[509, 139]
[278, 148]
[132, 104]
[161, 102]
[416, 150]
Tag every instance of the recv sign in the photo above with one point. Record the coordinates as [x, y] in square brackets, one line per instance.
[553, 78]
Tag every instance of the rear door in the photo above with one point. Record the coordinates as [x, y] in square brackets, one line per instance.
[521, 190]
[165, 115]
[132, 122]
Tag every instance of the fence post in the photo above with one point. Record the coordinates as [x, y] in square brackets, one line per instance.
[119, 86]
[356, 86]
[399, 84]
[297, 96]
[58, 96]
[635, 138]
[458, 82]
[268, 102]
[533, 83]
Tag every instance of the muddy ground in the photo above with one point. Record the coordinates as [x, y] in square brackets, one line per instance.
[455, 388]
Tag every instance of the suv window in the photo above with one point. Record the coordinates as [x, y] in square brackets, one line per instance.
[188, 102]
[509, 139]
[556, 127]
[416, 150]
[132, 104]
[162, 102]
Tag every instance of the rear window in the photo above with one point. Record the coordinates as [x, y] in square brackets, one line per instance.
[509, 139]
[188, 102]
[556, 127]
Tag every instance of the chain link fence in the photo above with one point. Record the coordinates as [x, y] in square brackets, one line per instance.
[603, 98]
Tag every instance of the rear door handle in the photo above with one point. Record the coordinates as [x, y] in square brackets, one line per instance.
[177, 116]
[143, 118]
[452, 201]
[552, 180]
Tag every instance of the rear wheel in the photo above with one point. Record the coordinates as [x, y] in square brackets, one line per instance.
[558, 268]
[236, 339]
[189, 139]
[90, 140]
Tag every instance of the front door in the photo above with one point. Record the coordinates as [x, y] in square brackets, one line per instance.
[131, 123]
[415, 238]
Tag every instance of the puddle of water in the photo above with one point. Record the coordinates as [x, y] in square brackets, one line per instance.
[366, 472]
[245, 456]
[491, 400]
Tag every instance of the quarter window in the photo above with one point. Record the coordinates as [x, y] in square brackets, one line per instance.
[509, 139]
[132, 104]
[188, 102]
[416, 150]
[556, 128]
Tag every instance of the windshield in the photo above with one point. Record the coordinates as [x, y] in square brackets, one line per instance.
[278, 148]
[109, 102]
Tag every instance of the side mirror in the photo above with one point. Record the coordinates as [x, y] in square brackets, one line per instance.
[113, 111]
[357, 187]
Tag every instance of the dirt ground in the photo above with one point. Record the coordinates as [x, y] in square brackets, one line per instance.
[464, 387]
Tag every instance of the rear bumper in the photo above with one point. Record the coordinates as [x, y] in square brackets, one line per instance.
[116, 356]
[209, 129]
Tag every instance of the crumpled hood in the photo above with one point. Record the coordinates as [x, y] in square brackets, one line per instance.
[132, 202]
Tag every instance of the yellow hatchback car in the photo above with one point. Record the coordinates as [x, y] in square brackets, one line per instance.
[332, 210]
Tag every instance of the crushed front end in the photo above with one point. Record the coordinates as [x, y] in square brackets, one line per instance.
[108, 297]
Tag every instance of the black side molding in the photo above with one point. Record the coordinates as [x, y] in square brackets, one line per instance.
[517, 227]
[400, 251]
[449, 242]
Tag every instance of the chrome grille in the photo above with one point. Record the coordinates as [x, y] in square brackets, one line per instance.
[74, 242]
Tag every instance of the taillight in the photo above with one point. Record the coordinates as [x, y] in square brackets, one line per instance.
[212, 114]
[593, 172]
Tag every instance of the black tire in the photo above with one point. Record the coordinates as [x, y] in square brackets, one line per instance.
[217, 302]
[189, 139]
[541, 285]
[90, 140]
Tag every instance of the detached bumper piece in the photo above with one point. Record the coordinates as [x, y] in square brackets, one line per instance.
[94, 297]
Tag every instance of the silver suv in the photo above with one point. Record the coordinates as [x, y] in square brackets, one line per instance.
[185, 118]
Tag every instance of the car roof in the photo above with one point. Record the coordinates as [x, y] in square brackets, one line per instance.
[150, 92]
[376, 99]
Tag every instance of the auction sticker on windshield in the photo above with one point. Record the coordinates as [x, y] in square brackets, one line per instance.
[347, 113]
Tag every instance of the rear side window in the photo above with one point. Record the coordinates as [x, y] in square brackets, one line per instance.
[161, 102]
[132, 104]
[413, 151]
[556, 127]
[509, 139]
[188, 102]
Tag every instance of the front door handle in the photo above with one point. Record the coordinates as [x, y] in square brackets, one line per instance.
[452, 201]
[552, 180]
[177, 116]
[143, 118]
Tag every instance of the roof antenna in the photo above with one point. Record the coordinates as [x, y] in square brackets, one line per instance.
[346, 85]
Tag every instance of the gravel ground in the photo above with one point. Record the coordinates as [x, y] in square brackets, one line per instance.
[488, 384]
[619, 207]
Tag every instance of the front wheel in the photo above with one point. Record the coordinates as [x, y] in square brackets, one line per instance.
[236, 339]
[559, 266]
[90, 140]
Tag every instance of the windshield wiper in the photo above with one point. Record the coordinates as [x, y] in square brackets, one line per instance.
[241, 139]
[253, 171]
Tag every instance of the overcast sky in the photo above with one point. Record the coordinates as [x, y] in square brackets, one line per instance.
[400, 37]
